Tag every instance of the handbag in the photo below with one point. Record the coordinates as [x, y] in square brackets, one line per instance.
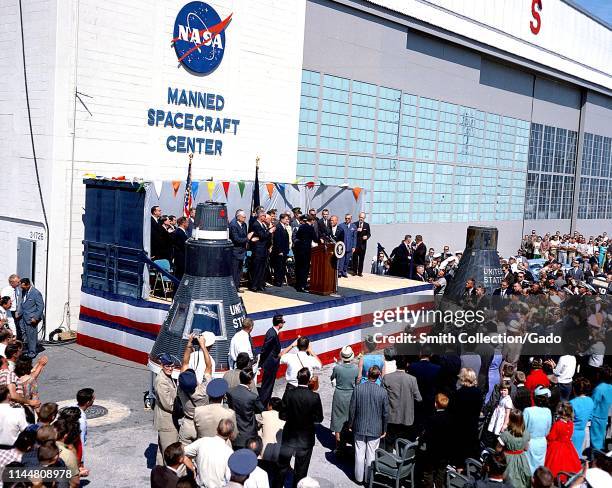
[313, 382]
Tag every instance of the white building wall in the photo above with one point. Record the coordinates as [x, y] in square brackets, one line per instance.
[568, 40]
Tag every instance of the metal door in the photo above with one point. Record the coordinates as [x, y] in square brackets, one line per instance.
[26, 258]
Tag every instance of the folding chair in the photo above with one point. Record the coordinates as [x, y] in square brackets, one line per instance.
[405, 448]
[392, 468]
[455, 479]
[473, 468]
[164, 281]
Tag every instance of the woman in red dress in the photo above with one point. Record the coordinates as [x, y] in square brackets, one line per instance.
[561, 454]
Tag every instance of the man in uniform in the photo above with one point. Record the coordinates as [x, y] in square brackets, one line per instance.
[362, 232]
[165, 393]
[304, 238]
[349, 243]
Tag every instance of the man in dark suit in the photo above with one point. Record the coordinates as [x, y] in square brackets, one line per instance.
[324, 224]
[400, 258]
[426, 374]
[507, 275]
[160, 238]
[302, 246]
[239, 237]
[179, 238]
[402, 391]
[269, 358]
[246, 404]
[495, 466]
[281, 244]
[336, 234]
[501, 294]
[31, 309]
[419, 253]
[301, 410]
[260, 244]
[167, 476]
[361, 244]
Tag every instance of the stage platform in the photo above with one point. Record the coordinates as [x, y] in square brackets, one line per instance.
[127, 327]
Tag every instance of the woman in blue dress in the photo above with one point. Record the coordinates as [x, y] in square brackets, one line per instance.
[538, 421]
[369, 359]
[494, 376]
[602, 400]
[583, 412]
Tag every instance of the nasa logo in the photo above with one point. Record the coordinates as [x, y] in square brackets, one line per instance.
[199, 37]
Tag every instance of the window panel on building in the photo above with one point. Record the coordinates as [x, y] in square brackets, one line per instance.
[596, 157]
[583, 197]
[309, 106]
[535, 147]
[606, 163]
[559, 158]
[587, 154]
[388, 118]
[531, 196]
[306, 165]
[334, 113]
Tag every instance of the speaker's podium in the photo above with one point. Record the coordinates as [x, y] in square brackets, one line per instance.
[323, 270]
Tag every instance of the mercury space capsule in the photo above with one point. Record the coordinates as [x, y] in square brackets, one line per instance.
[206, 298]
[480, 261]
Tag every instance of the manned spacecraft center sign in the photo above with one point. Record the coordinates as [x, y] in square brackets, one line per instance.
[203, 130]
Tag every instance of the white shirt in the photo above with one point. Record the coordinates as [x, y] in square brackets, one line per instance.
[239, 343]
[565, 369]
[9, 291]
[297, 361]
[2, 349]
[12, 422]
[257, 479]
[197, 363]
[210, 455]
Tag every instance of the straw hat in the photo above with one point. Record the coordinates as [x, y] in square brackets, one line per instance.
[347, 354]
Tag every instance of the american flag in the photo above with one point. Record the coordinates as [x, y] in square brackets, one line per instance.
[188, 197]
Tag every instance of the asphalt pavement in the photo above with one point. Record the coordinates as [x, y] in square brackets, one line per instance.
[121, 454]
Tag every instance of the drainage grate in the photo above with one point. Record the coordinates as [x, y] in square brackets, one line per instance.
[96, 411]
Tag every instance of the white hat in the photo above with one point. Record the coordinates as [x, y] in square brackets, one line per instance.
[347, 354]
[209, 337]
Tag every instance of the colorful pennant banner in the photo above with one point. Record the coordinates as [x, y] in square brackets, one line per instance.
[226, 185]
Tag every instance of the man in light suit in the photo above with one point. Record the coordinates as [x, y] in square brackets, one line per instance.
[30, 310]
[349, 243]
[239, 237]
[403, 391]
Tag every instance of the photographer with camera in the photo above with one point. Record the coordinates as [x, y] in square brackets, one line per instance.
[304, 357]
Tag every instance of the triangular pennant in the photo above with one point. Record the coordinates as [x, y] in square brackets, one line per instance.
[281, 189]
[310, 184]
[241, 186]
[356, 192]
[157, 184]
[225, 187]
[195, 185]
[270, 188]
[211, 188]
[175, 186]
[320, 190]
[295, 186]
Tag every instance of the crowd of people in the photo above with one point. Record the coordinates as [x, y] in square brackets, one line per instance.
[34, 434]
[274, 248]
[521, 420]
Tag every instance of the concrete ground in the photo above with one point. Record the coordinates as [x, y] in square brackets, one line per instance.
[121, 454]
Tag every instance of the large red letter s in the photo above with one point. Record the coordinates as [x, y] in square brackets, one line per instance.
[535, 26]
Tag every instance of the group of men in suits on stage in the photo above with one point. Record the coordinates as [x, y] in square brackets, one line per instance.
[168, 241]
[272, 240]
[407, 258]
